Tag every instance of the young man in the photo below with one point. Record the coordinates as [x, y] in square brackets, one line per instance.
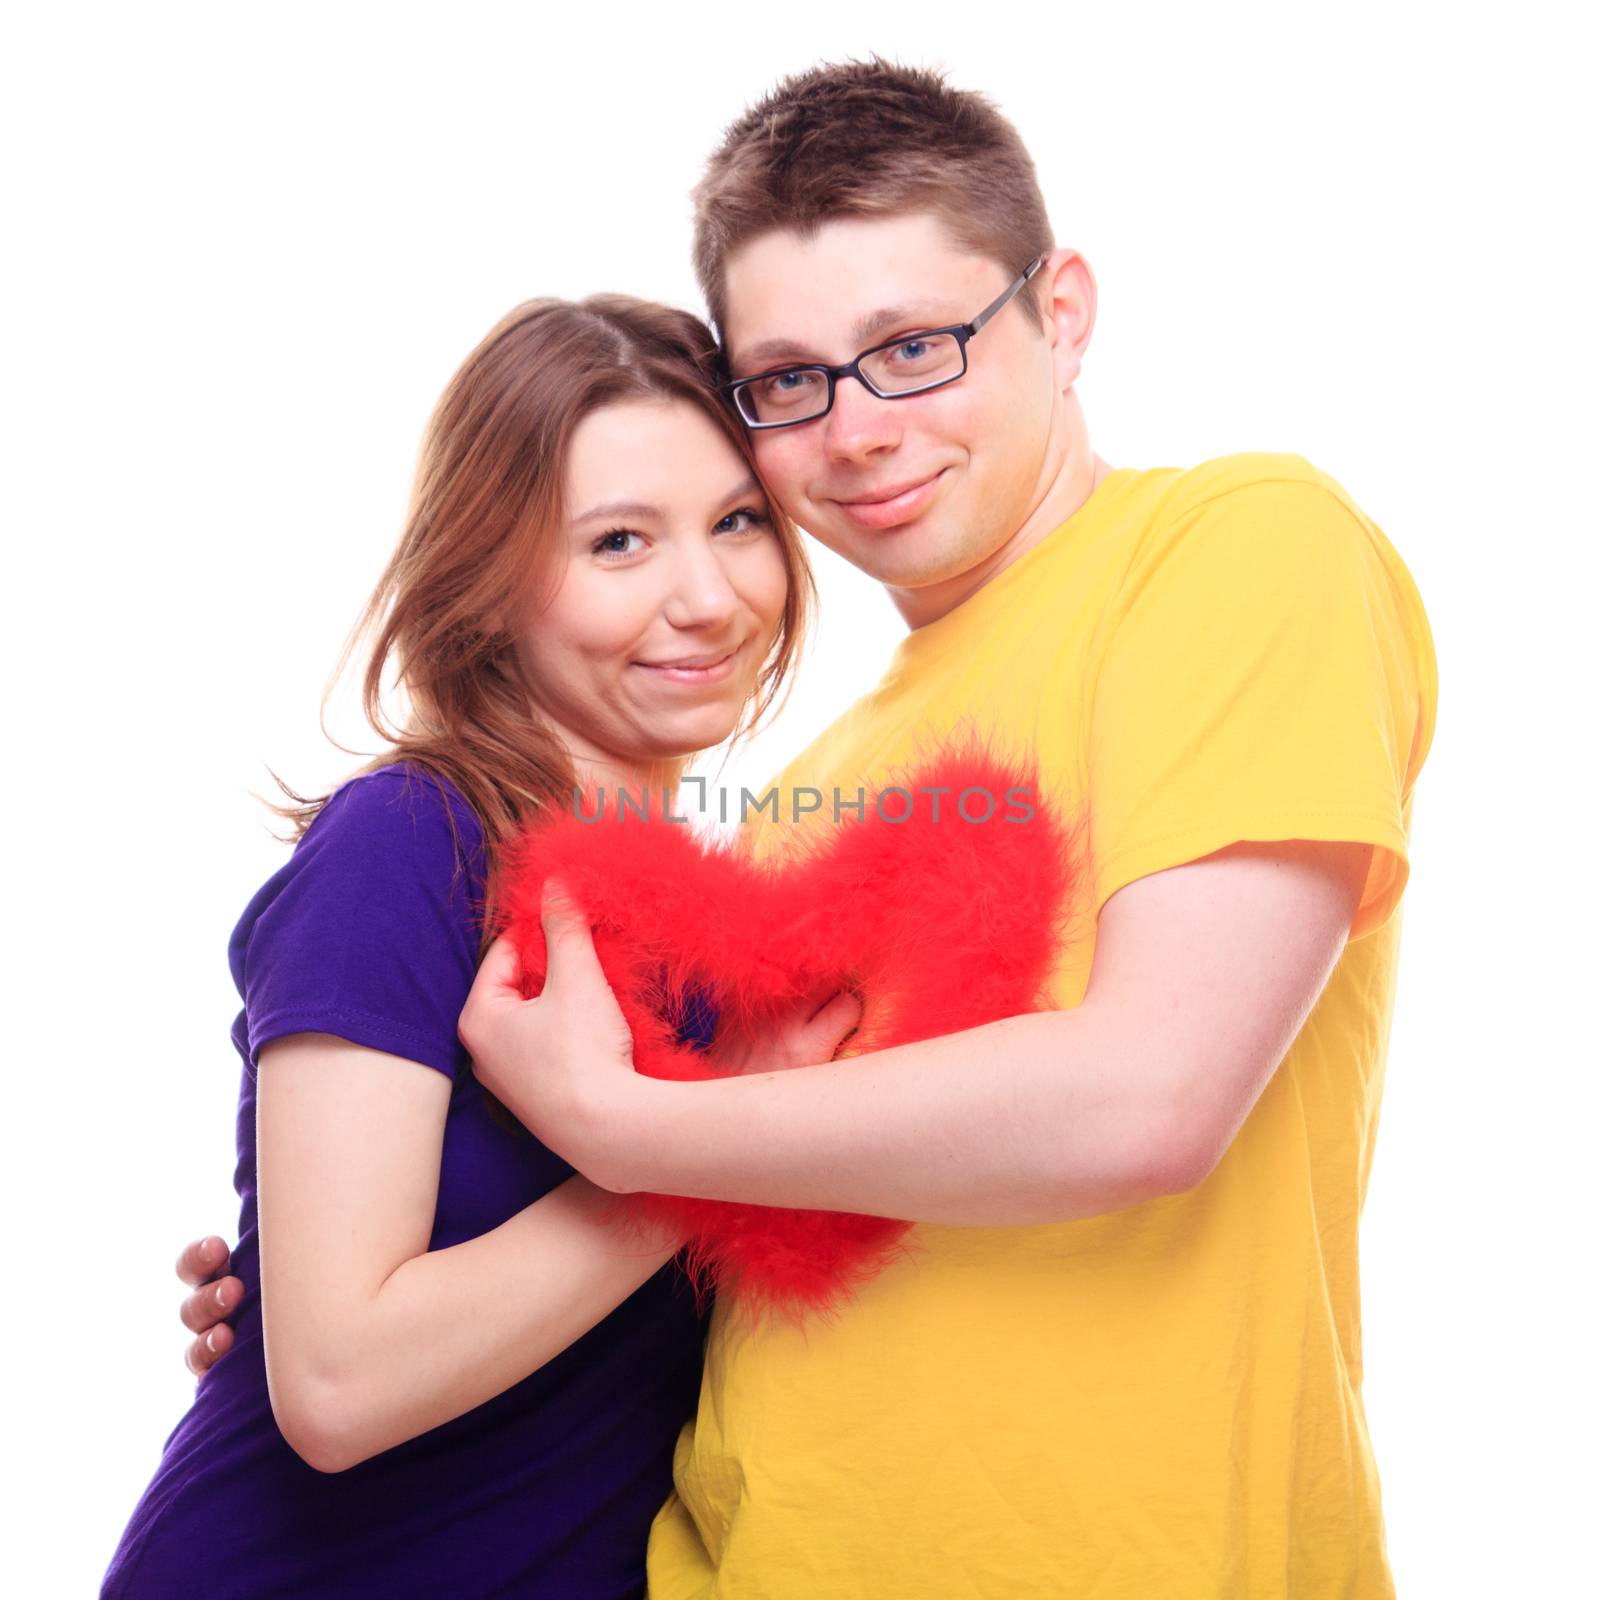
[1125, 1357]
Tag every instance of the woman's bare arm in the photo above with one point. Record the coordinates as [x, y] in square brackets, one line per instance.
[371, 1338]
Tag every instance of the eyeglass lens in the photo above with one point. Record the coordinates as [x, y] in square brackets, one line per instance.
[903, 368]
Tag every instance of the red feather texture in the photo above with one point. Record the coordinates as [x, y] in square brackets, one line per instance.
[939, 924]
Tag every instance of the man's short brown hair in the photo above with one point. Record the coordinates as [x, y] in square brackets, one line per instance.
[867, 139]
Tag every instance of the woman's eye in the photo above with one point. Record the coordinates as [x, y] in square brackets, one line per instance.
[614, 543]
[743, 520]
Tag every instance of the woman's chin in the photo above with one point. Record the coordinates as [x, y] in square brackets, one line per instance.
[685, 734]
[704, 733]
[685, 729]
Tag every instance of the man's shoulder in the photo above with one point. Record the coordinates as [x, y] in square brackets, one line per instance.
[1246, 506]
[1251, 476]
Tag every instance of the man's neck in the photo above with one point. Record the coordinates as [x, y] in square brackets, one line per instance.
[1079, 475]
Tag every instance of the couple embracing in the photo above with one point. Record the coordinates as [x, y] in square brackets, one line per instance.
[1124, 1354]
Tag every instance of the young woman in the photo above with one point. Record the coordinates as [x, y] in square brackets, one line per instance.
[449, 1374]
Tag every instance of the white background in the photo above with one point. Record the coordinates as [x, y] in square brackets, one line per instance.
[248, 247]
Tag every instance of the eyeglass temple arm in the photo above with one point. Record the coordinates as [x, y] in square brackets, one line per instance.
[999, 305]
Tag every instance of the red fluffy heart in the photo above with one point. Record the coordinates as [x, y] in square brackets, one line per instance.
[939, 923]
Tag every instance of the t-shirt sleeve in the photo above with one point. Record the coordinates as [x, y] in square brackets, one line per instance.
[1268, 674]
[370, 931]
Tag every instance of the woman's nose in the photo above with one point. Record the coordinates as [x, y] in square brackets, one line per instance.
[701, 595]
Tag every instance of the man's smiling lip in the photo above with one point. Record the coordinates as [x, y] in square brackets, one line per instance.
[888, 508]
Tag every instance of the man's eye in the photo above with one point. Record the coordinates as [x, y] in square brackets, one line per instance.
[923, 355]
[791, 383]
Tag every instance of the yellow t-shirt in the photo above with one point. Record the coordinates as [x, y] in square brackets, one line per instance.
[1163, 1403]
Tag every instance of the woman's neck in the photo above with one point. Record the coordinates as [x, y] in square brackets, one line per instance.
[594, 767]
[656, 778]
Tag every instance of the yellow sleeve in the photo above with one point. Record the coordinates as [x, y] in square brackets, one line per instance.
[1268, 673]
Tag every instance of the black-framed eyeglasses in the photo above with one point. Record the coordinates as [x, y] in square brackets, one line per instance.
[912, 364]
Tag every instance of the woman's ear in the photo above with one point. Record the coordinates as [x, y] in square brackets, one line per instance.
[1069, 300]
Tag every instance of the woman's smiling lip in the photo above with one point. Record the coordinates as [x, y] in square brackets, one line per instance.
[891, 507]
[693, 669]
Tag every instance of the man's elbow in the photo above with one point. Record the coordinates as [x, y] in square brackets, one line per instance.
[1185, 1146]
[1164, 1155]
[1180, 1163]
[1139, 1169]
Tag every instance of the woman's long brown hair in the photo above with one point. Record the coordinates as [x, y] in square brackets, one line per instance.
[485, 515]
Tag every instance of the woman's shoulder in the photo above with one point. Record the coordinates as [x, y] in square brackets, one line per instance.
[393, 852]
[371, 928]
[402, 811]
[387, 841]
[405, 789]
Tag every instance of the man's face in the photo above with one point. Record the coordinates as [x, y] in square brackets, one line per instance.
[914, 491]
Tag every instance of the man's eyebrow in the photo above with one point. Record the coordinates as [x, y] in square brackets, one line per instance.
[865, 329]
[868, 328]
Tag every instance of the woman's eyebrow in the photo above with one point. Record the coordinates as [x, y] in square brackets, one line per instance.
[613, 509]
[742, 491]
[618, 508]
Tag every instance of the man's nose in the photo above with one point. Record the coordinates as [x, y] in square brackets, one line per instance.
[860, 424]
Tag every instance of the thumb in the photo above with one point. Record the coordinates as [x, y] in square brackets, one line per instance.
[834, 1023]
[495, 982]
[569, 944]
[500, 968]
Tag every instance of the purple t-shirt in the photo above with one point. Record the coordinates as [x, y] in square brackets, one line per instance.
[371, 932]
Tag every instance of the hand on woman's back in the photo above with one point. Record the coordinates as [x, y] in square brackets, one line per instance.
[203, 1266]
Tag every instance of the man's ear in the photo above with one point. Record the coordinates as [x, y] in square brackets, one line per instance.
[1068, 298]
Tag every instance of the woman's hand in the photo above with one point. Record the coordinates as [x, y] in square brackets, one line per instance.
[811, 1034]
[203, 1266]
[561, 1063]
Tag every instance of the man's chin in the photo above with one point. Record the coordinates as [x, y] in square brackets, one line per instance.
[909, 557]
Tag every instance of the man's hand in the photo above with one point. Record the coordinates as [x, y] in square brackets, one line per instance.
[562, 1063]
[814, 1032]
[203, 1266]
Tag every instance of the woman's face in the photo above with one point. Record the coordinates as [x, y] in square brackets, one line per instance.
[671, 593]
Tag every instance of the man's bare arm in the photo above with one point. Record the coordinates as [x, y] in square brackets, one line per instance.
[1202, 977]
